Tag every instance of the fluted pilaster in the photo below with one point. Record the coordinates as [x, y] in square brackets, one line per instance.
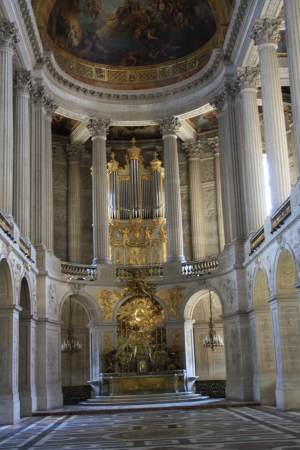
[253, 155]
[292, 25]
[266, 35]
[169, 127]
[21, 179]
[8, 39]
[193, 151]
[98, 129]
[74, 204]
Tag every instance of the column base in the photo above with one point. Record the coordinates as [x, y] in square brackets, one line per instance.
[99, 261]
[50, 397]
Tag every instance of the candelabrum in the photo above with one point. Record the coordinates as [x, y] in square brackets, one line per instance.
[71, 345]
[212, 340]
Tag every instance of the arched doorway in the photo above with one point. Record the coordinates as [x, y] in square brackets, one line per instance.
[75, 349]
[204, 360]
[264, 357]
[286, 330]
[9, 316]
[27, 336]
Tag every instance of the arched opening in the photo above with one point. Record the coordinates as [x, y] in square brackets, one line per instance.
[286, 328]
[75, 350]
[204, 342]
[264, 358]
[9, 400]
[26, 351]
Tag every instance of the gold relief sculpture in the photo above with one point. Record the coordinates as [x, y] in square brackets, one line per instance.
[107, 342]
[107, 300]
[173, 299]
[112, 165]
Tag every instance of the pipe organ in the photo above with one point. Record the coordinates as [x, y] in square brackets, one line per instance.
[137, 232]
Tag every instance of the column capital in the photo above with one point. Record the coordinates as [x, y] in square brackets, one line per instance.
[266, 31]
[192, 150]
[98, 127]
[213, 143]
[170, 126]
[74, 152]
[42, 99]
[247, 77]
[8, 34]
[230, 90]
[22, 81]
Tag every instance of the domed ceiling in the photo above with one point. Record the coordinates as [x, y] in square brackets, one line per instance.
[132, 44]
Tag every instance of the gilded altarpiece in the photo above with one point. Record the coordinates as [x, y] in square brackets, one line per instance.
[137, 211]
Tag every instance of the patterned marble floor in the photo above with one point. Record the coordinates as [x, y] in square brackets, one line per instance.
[243, 428]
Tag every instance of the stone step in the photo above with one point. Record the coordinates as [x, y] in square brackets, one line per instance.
[144, 399]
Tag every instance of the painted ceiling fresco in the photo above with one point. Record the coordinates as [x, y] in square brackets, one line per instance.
[131, 32]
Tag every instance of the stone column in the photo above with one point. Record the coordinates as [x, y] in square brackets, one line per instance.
[9, 351]
[232, 190]
[169, 128]
[196, 200]
[98, 129]
[292, 25]
[214, 145]
[265, 35]
[27, 361]
[8, 39]
[41, 170]
[189, 347]
[74, 217]
[253, 155]
[21, 193]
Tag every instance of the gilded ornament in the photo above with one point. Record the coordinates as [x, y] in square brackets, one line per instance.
[173, 299]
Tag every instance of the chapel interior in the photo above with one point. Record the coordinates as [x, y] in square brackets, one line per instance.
[149, 220]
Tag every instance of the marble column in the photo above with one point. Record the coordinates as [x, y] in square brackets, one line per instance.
[266, 35]
[231, 182]
[41, 169]
[169, 127]
[292, 25]
[8, 39]
[9, 350]
[74, 216]
[189, 347]
[253, 155]
[21, 179]
[193, 151]
[214, 145]
[98, 129]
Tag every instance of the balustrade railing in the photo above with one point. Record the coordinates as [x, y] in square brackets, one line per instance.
[126, 272]
[6, 225]
[79, 272]
[256, 240]
[200, 268]
[280, 216]
[25, 247]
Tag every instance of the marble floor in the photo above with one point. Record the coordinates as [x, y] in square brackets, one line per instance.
[245, 428]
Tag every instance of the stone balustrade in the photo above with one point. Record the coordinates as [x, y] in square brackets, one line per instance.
[199, 268]
[80, 272]
[125, 272]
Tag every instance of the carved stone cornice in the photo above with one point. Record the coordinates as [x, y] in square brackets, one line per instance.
[266, 31]
[192, 150]
[170, 126]
[31, 28]
[247, 77]
[74, 152]
[98, 127]
[22, 81]
[235, 29]
[8, 34]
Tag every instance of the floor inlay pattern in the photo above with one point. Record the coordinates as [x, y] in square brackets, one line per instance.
[243, 428]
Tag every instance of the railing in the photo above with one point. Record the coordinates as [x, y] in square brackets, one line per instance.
[256, 240]
[200, 268]
[25, 247]
[79, 272]
[280, 216]
[126, 272]
[6, 225]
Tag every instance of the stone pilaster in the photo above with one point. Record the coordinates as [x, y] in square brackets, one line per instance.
[98, 129]
[169, 127]
[74, 207]
[41, 169]
[193, 151]
[214, 145]
[292, 25]
[253, 155]
[21, 179]
[266, 35]
[8, 39]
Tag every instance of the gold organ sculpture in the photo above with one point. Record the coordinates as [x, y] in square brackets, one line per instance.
[137, 233]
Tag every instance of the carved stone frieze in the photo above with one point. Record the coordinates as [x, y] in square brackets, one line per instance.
[8, 34]
[170, 125]
[98, 127]
[266, 31]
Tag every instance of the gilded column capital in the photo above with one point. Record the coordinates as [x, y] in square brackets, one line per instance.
[74, 152]
[247, 77]
[170, 125]
[98, 127]
[8, 34]
[266, 31]
[192, 150]
[22, 81]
